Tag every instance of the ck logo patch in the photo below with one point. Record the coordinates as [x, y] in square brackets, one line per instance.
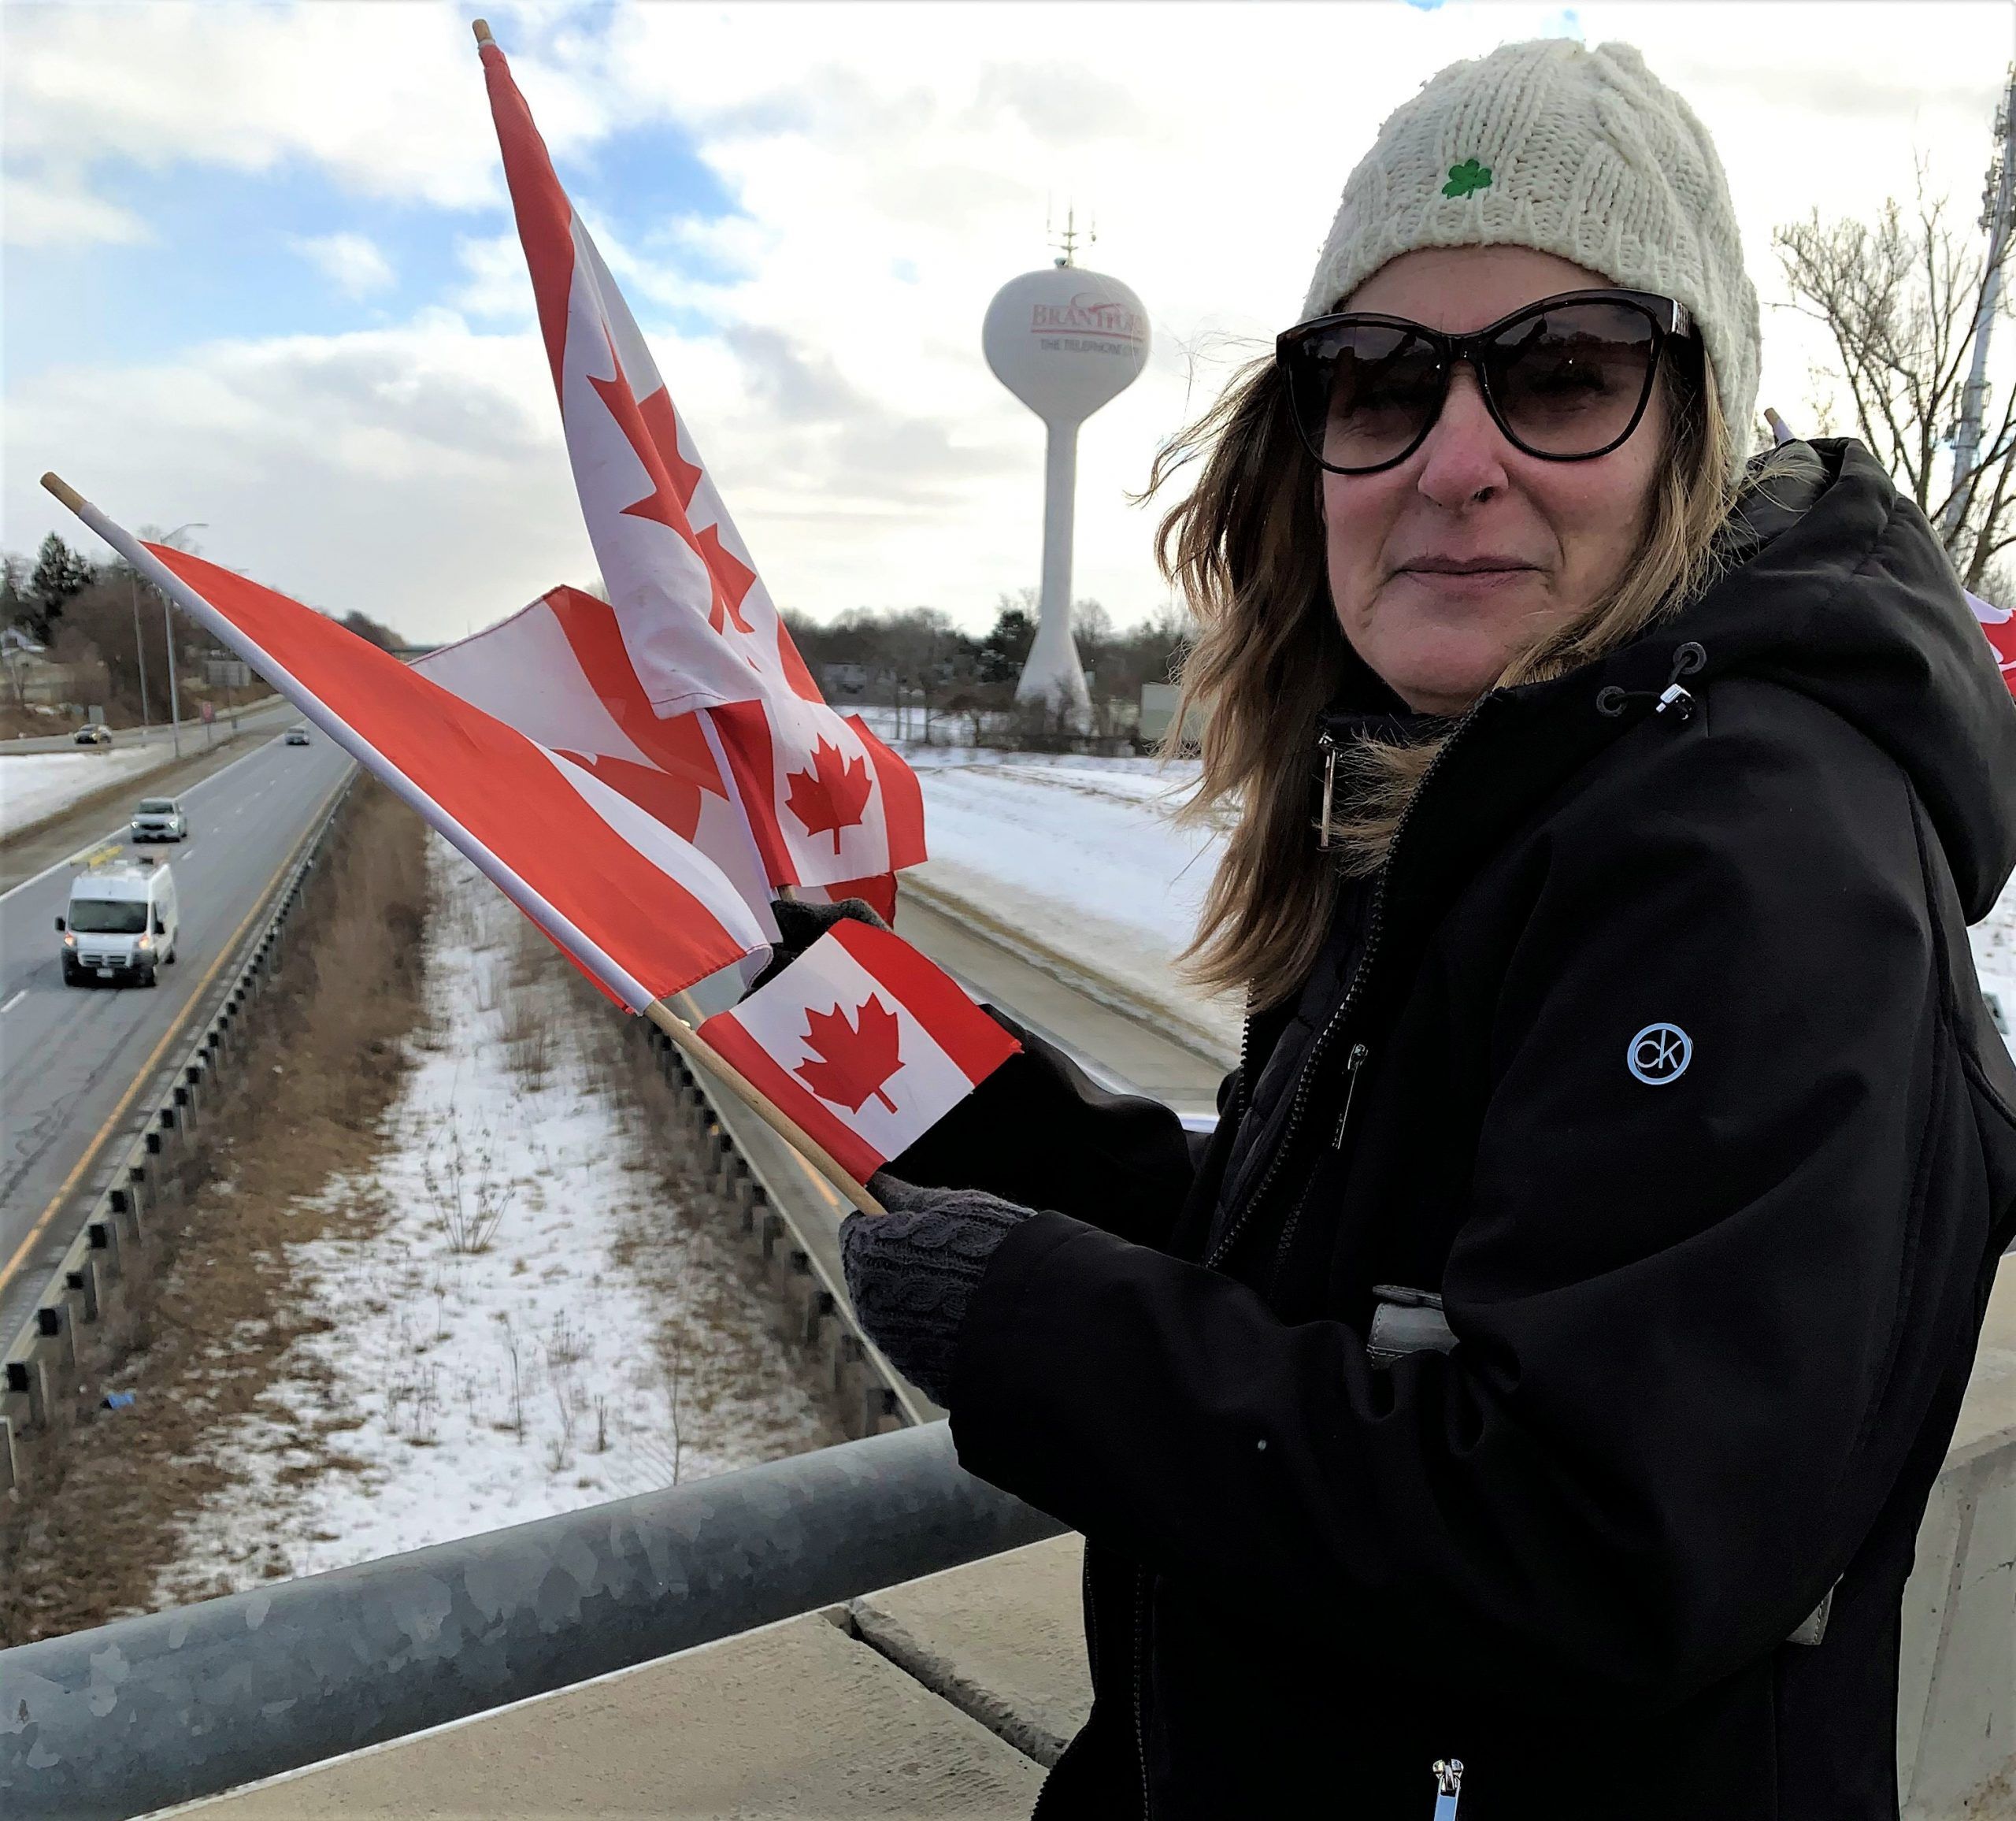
[1659, 1053]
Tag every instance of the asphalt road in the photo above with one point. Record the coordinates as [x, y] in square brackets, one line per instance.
[192, 735]
[69, 1055]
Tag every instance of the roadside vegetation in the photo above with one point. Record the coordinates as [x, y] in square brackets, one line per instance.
[215, 1307]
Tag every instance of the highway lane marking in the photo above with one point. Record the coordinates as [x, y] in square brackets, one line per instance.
[119, 833]
[13, 1002]
[33, 1235]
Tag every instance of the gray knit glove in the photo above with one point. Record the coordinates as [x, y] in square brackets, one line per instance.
[912, 1271]
[800, 925]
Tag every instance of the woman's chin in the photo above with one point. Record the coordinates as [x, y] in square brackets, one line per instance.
[1444, 682]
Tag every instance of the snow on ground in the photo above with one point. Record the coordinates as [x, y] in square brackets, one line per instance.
[1081, 854]
[532, 1328]
[35, 785]
[1994, 939]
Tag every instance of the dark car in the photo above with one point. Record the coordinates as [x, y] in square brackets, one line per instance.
[94, 735]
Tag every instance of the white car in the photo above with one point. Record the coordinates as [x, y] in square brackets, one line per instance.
[160, 819]
[296, 736]
[97, 734]
[121, 922]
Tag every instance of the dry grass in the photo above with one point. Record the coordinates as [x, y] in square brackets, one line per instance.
[214, 1317]
[689, 1247]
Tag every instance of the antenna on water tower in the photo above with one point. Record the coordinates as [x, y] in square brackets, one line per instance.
[1067, 241]
[1065, 341]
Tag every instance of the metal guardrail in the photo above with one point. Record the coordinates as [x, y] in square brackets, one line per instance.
[790, 1217]
[42, 1357]
[145, 1712]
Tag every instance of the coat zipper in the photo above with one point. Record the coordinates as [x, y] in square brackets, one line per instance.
[1375, 928]
[1354, 1061]
[1448, 1787]
[1240, 1078]
[1140, 1656]
[1375, 922]
[1326, 744]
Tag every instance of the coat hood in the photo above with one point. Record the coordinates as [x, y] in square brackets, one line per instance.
[1846, 596]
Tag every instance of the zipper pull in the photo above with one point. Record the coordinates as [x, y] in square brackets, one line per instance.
[1448, 1787]
[1353, 1063]
[1328, 749]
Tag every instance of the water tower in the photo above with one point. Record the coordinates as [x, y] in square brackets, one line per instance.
[1064, 341]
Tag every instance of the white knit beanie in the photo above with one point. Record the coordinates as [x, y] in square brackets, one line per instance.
[1582, 153]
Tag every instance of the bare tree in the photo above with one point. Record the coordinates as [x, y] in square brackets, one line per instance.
[1899, 297]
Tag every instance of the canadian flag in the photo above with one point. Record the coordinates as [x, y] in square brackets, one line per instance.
[643, 912]
[826, 803]
[863, 1043]
[2001, 630]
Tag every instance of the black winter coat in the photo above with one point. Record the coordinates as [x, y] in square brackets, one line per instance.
[1715, 1289]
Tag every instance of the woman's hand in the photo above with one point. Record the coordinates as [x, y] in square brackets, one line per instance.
[800, 925]
[911, 1272]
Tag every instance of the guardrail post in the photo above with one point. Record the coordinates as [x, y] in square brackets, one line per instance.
[10, 1471]
[82, 1283]
[28, 1380]
[54, 1334]
[136, 1192]
[104, 1237]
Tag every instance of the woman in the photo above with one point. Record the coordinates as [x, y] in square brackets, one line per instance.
[1546, 1362]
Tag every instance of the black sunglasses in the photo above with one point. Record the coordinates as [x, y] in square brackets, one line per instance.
[1566, 378]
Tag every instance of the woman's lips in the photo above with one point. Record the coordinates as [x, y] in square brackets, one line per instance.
[1467, 578]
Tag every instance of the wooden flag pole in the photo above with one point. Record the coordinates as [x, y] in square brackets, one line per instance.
[694, 1049]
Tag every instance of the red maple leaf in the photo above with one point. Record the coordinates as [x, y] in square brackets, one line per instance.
[832, 795]
[852, 1058]
[662, 423]
[663, 505]
[732, 579]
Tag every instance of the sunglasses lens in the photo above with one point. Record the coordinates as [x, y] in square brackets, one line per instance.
[1364, 392]
[1570, 381]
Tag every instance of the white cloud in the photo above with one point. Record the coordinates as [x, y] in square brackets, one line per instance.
[351, 262]
[388, 100]
[442, 443]
[40, 212]
[891, 165]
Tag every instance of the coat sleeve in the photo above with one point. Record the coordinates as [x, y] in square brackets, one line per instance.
[1699, 1322]
[1041, 1132]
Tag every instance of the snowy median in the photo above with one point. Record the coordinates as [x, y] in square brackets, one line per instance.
[34, 786]
[1081, 857]
[534, 1318]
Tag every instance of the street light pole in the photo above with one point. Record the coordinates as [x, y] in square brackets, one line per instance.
[167, 631]
[139, 649]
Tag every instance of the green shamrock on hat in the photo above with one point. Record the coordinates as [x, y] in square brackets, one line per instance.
[1466, 179]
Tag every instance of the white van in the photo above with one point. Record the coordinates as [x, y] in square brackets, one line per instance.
[121, 923]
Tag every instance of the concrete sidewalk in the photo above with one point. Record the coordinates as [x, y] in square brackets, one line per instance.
[949, 1696]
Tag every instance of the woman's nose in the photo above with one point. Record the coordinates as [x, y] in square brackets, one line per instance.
[1465, 451]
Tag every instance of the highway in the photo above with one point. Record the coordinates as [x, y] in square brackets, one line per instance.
[72, 1060]
[192, 738]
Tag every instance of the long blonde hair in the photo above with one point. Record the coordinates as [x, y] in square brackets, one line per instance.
[1246, 546]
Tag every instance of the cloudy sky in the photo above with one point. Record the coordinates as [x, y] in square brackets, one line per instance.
[260, 271]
